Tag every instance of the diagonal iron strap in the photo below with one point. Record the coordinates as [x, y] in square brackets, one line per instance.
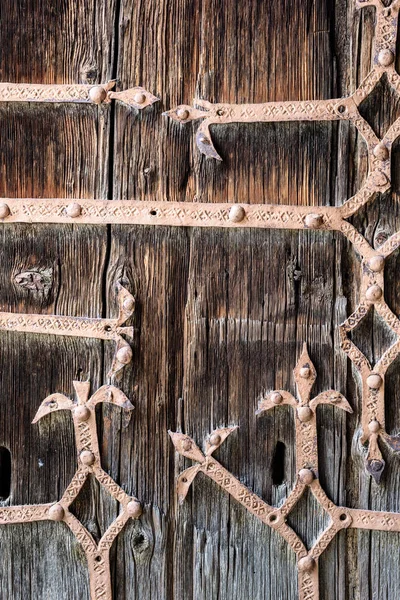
[137, 97]
[85, 327]
[83, 411]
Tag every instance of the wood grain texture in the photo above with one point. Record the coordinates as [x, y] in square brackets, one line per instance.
[221, 315]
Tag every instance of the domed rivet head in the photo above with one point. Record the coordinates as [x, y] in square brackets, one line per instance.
[82, 413]
[4, 211]
[128, 304]
[385, 57]
[276, 398]
[304, 413]
[186, 445]
[139, 98]
[182, 114]
[374, 381]
[373, 293]
[56, 512]
[87, 457]
[374, 426]
[305, 372]
[124, 355]
[306, 476]
[313, 221]
[134, 509]
[74, 210]
[215, 439]
[237, 214]
[306, 564]
[381, 152]
[376, 263]
[97, 94]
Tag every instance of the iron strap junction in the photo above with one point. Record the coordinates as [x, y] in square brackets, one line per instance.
[227, 215]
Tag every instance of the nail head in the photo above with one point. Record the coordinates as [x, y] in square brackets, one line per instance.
[87, 457]
[385, 57]
[313, 221]
[276, 398]
[306, 476]
[74, 210]
[307, 564]
[304, 413]
[376, 263]
[4, 211]
[56, 512]
[82, 413]
[215, 439]
[97, 94]
[124, 355]
[374, 426]
[134, 509]
[373, 293]
[374, 381]
[237, 214]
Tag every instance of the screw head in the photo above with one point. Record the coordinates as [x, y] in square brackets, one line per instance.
[385, 57]
[87, 457]
[314, 221]
[139, 98]
[74, 210]
[237, 214]
[186, 445]
[183, 114]
[128, 304]
[97, 94]
[124, 355]
[134, 509]
[305, 372]
[381, 152]
[376, 263]
[56, 512]
[306, 476]
[307, 563]
[374, 293]
[374, 381]
[276, 398]
[304, 413]
[82, 413]
[215, 439]
[4, 211]
[374, 426]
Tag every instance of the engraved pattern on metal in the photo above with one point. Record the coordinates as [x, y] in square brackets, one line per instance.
[313, 110]
[307, 476]
[137, 97]
[83, 412]
[98, 328]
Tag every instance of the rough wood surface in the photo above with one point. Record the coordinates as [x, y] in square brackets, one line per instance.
[221, 315]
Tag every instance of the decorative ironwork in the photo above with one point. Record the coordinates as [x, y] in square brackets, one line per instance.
[137, 97]
[314, 110]
[307, 476]
[84, 420]
[98, 328]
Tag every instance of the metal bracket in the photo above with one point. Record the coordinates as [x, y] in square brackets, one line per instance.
[312, 110]
[84, 420]
[307, 477]
[137, 97]
[98, 328]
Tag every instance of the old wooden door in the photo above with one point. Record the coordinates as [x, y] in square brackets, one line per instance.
[234, 265]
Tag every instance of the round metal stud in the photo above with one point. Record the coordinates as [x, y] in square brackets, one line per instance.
[374, 381]
[376, 263]
[385, 57]
[139, 98]
[56, 512]
[305, 372]
[124, 355]
[381, 152]
[82, 413]
[307, 564]
[276, 398]
[183, 114]
[215, 439]
[134, 509]
[87, 457]
[306, 476]
[314, 221]
[304, 413]
[237, 214]
[97, 94]
[4, 211]
[186, 445]
[74, 210]
[128, 304]
[373, 293]
[374, 426]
